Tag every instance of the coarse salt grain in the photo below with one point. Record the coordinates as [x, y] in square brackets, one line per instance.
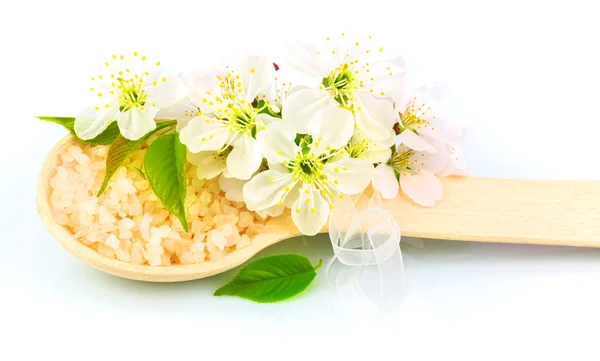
[129, 223]
[112, 241]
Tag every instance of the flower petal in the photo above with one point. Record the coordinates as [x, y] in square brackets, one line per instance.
[422, 187]
[304, 58]
[386, 78]
[233, 188]
[300, 107]
[134, 123]
[170, 91]
[375, 117]
[182, 113]
[413, 141]
[204, 133]
[385, 181]
[273, 211]
[332, 128]
[257, 74]
[277, 142]
[310, 211]
[263, 119]
[203, 88]
[209, 164]
[349, 175]
[245, 158]
[267, 189]
[94, 120]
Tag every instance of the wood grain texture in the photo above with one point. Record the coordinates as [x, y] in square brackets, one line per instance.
[472, 209]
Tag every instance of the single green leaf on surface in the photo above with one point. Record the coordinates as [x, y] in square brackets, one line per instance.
[166, 167]
[121, 149]
[271, 279]
[107, 137]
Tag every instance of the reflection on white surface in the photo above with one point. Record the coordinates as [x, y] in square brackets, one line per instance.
[367, 268]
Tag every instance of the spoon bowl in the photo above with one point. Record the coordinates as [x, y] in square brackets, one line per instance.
[473, 209]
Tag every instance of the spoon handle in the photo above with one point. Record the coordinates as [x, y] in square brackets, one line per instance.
[506, 210]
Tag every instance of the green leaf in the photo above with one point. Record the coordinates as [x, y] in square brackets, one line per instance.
[271, 279]
[121, 149]
[107, 137]
[141, 172]
[166, 167]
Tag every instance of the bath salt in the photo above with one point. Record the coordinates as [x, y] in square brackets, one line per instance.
[112, 241]
[129, 223]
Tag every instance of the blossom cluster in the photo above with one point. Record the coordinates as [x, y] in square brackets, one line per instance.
[276, 146]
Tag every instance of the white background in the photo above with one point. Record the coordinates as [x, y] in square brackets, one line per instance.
[524, 76]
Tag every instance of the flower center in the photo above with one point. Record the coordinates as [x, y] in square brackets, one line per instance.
[356, 149]
[242, 119]
[307, 167]
[131, 95]
[400, 161]
[412, 118]
[341, 82]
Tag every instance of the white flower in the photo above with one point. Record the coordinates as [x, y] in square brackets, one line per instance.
[229, 122]
[305, 178]
[420, 119]
[416, 173]
[132, 92]
[182, 113]
[374, 151]
[349, 75]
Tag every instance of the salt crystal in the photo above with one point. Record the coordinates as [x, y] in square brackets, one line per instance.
[135, 209]
[233, 238]
[230, 211]
[199, 237]
[123, 255]
[246, 219]
[154, 248]
[106, 250]
[86, 219]
[81, 158]
[215, 256]
[214, 188]
[124, 185]
[194, 209]
[67, 157]
[243, 242]
[215, 207]
[205, 198]
[197, 247]
[112, 205]
[153, 259]
[217, 239]
[136, 256]
[187, 258]
[126, 223]
[105, 216]
[112, 241]
[225, 219]
[255, 228]
[145, 227]
[199, 257]
[155, 236]
[60, 218]
[74, 150]
[125, 234]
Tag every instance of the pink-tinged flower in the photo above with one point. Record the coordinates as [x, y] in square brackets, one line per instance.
[421, 120]
[412, 171]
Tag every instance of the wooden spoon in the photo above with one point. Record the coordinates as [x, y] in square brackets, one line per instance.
[472, 209]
